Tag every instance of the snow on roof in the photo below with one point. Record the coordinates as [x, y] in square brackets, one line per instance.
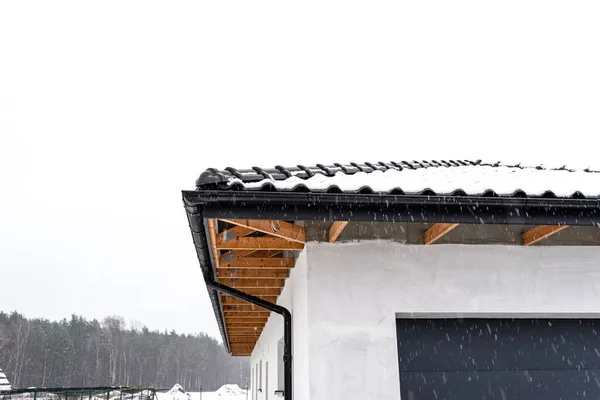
[432, 178]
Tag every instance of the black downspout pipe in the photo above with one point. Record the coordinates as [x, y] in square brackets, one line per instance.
[199, 235]
[287, 328]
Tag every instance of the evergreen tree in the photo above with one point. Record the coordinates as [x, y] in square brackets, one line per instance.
[79, 352]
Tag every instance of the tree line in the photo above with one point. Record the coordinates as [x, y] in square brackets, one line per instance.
[78, 352]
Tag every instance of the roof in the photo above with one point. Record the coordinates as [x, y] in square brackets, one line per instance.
[453, 178]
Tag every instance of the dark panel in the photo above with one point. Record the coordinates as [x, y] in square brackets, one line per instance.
[501, 385]
[497, 344]
[499, 358]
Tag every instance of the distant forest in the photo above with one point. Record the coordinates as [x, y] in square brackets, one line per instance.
[78, 352]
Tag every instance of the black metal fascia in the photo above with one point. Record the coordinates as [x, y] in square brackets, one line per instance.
[200, 237]
[394, 208]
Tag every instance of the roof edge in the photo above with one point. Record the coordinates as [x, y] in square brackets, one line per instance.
[203, 253]
[394, 208]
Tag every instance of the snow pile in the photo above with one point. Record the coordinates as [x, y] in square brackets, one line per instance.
[4, 384]
[177, 393]
[230, 390]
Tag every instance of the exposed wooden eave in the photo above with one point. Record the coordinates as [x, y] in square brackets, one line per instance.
[230, 301]
[212, 233]
[256, 263]
[335, 230]
[258, 243]
[540, 232]
[252, 273]
[437, 231]
[277, 228]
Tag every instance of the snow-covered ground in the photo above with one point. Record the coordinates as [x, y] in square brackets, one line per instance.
[209, 396]
[225, 392]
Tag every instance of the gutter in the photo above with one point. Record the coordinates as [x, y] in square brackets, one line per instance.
[394, 208]
[198, 228]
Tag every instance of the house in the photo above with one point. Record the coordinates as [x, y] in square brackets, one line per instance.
[412, 280]
[4, 383]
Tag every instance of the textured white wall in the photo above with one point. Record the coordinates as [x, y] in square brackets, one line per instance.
[293, 297]
[355, 290]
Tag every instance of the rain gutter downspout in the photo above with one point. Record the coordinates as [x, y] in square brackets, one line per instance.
[199, 234]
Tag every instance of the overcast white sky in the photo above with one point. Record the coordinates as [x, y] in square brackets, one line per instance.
[108, 109]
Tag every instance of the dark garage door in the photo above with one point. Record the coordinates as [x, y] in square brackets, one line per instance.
[503, 359]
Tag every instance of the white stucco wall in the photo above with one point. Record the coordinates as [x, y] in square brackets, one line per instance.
[356, 289]
[344, 298]
[294, 298]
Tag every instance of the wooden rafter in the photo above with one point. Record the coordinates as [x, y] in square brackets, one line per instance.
[253, 283]
[247, 323]
[245, 339]
[256, 263]
[244, 329]
[246, 313]
[246, 318]
[243, 335]
[336, 229]
[434, 233]
[261, 291]
[259, 243]
[230, 301]
[212, 233]
[230, 255]
[252, 273]
[540, 232]
[242, 347]
[235, 232]
[248, 261]
[245, 308]
[280, 229]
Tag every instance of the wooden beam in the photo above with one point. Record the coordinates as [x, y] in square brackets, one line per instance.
[241, 350]
[261, 291]
[277, 228]
[243, 336]
[437, 231]
[259, 263]
[253, 283]
[246, 319]
[258, 243]
[540, 232]
[230, 255]
[335, 229]
[252, 273]
[242, 324]
[231, 314]
[229, 301]
[246, 307]
[235, 232]
[242, 347]
[212, 233]
[245, 329]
